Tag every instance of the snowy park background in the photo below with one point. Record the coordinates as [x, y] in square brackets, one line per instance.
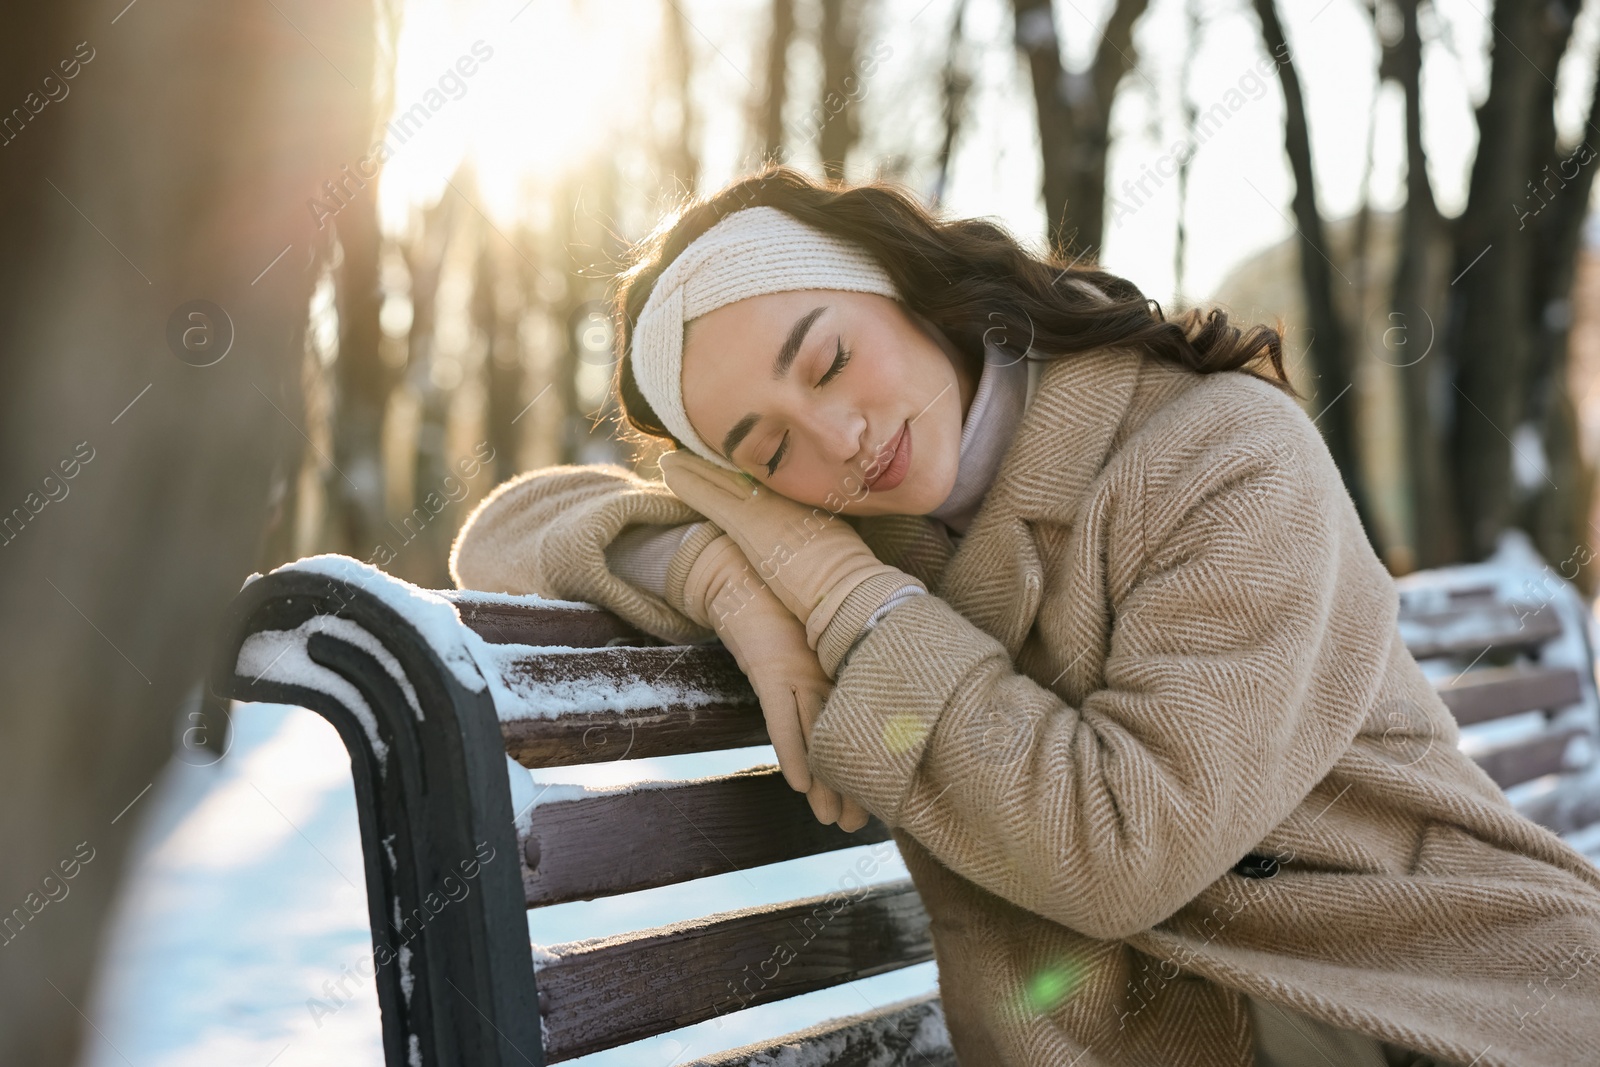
[246, 908]
[399, 221]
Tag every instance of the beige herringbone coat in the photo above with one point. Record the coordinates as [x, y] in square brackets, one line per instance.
[1164, 643]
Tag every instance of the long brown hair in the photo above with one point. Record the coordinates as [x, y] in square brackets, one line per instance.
[969, 277]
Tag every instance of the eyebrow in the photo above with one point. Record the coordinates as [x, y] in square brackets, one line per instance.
[792, 343]
[780, 367]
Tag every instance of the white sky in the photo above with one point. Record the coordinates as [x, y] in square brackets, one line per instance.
[570, 80]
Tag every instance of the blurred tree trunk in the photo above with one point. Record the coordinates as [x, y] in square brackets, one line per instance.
[590, 245]
[681, 162]
[776, 80]
[1556, 512]
[138, 483]
[1329, 348]
[1413, 334]
[499, 295]
[1189, 111]
[362, 381]
[841, 128]
[361, 384]
[1074, 114]
[425, 249]
[1495, 303]
[954, 84]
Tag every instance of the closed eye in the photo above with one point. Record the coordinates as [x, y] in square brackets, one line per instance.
[772, 464]
[841, 357]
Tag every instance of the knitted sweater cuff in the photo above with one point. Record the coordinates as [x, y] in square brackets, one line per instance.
[851, 619]
[694, 542]
[640, 554]
[900, 596]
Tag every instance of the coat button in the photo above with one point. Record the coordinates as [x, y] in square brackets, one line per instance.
[1256, 865]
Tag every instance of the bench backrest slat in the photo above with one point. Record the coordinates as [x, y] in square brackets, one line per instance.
[1467, 629]
[1505, 638]
[1523, 761]
[910, 1032]
[501, 619]
[597, 995]
[1497, 692]
[606, 704]
[602, 845]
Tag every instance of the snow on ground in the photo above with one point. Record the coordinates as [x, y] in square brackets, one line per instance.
[245, 902]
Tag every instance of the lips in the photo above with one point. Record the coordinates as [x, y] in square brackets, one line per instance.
[893, 472]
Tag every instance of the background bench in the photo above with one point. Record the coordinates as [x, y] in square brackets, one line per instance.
[1510, 645]
[444, 697]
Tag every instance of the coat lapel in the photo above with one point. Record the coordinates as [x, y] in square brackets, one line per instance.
[996, 578]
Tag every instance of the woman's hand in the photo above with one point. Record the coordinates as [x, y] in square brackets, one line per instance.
[721, 591]
[810, 558]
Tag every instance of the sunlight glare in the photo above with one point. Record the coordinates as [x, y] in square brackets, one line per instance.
[552, 85]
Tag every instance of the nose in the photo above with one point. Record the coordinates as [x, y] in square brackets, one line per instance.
[841, 434]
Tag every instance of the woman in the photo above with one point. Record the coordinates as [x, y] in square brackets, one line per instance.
[1099, 636]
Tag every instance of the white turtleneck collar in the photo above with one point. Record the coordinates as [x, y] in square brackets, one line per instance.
[1004, 389]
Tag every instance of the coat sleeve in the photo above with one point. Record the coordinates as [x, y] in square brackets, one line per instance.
[1246, 643]
[546, 531]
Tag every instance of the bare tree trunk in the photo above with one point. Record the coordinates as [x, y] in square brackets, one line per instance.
[841, 31]
[361, 384]
[775, 84]
[1329, 348]
[1558, 512]
[577, 240]
[591, 243]
[681, 162]
[134, 481]
[498, 300]
[361, 381]
[1074, 113]
[1190, 111]
[425, 253]
[1491, 299]
[954, 83]
[1416, 324]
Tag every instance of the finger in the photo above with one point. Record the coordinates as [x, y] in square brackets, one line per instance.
[825, 803]
[852, 816]
[693, 479]
[707, 499]
[788, 740]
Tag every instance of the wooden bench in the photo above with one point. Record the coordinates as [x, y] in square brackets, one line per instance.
[1510, 645]
[435, 693]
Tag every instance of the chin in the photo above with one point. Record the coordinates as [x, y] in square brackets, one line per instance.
[935, 490]
[905, 499]
[930, 498]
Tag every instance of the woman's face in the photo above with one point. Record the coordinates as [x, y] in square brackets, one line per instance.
[825, 395]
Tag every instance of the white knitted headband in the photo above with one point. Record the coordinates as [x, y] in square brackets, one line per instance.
[752, 252]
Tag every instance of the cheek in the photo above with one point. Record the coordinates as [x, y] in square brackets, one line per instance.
[889, 376]
[802, 489]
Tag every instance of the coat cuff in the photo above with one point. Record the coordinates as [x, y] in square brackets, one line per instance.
[913, 662]
[545, 532]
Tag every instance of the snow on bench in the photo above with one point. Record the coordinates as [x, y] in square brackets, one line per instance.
[445, 699]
